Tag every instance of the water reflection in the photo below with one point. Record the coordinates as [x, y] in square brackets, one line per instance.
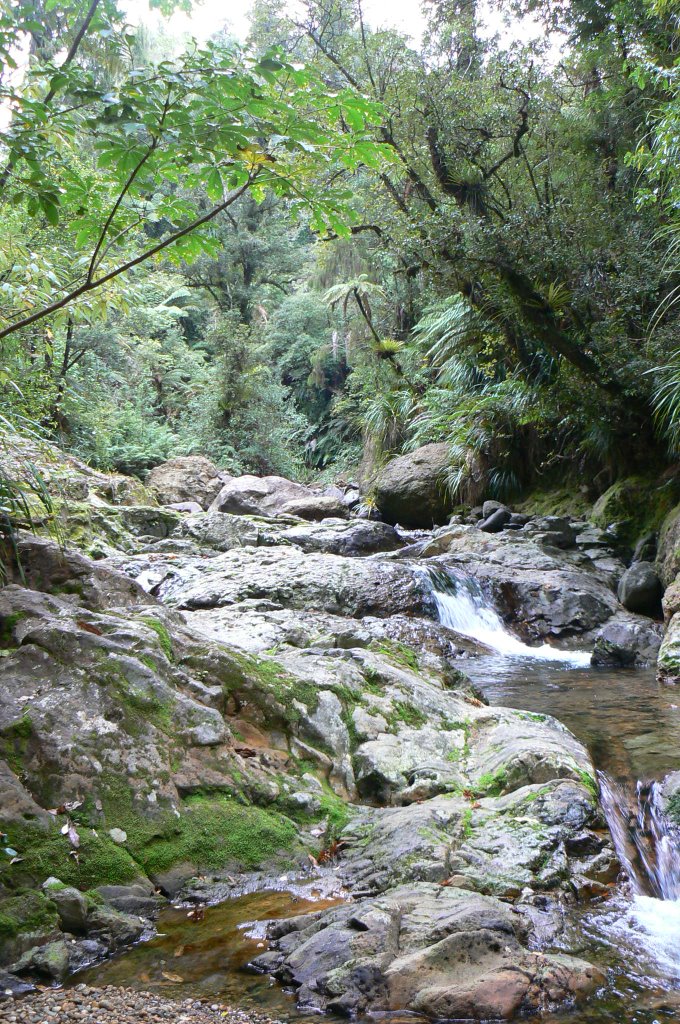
[628, 721]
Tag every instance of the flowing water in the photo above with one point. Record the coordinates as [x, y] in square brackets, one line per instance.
[631, 727]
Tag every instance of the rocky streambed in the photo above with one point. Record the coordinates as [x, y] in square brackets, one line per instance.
[222, 700]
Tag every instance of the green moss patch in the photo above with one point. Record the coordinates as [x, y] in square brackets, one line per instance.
[635, 505]
[212, 832]
[7, 624]
[164, 638]
[491, 783]
[43, 853]
[29, 912]
[14, 742]
[396, 652]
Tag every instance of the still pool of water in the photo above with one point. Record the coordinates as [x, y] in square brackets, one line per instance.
[207, 957]
[628, 721]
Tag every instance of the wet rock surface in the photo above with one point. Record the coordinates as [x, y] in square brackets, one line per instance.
[247, 684]
[443, 952]
[627, 641]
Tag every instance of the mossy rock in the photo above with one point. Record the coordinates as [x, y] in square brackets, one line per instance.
[635, 506]
[212, 832]
[46, 852]
[668, 556]
[560, 501]
[26, 919]
[668, 663]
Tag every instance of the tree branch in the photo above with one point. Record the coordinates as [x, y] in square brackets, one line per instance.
[51, 93]
[90, 285]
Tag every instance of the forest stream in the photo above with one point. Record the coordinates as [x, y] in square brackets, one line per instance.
[631, 727]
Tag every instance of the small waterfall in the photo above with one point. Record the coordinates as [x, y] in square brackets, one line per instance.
[463, 607]
[646, 843]
[648, 846]
[665, 839]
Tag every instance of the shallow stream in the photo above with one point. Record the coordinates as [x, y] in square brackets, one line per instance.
[631, 726]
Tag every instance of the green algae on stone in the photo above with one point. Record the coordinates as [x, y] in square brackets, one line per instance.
[163, 635]
[635, 505]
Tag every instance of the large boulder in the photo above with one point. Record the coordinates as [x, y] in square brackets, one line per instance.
[411, 490]
[627, 640]
[184, 479]
[640, 590]
[258, 495]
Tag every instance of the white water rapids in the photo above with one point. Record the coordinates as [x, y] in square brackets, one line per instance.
[647, 924]
[463, 606]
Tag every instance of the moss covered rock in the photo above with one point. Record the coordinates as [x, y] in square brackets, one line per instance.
[668, 664]
[634, 506]
[668, 555]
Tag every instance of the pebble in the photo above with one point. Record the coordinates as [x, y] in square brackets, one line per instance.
[112, 1005]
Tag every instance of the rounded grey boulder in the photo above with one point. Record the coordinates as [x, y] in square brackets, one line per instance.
[640, 590]
[187, 478]
[411, 490]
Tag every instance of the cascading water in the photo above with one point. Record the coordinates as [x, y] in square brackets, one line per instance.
[648, 923]
[463, 607]
[648, 849]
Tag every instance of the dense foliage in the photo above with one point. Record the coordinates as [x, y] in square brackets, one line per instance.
[334, 245]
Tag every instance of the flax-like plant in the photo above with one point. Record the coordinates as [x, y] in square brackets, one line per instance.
[666, 400]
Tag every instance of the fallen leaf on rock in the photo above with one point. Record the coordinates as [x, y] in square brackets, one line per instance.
[172, 977]
[89, 628]
[179, 951]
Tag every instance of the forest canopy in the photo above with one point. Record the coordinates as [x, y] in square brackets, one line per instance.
[308, 252]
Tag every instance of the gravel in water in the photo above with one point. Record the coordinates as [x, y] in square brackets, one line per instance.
[84, 1005]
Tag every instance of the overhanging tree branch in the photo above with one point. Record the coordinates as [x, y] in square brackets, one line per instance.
[51, 92]
[90, 285]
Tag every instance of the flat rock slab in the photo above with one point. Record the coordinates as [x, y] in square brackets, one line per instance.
[441, 951]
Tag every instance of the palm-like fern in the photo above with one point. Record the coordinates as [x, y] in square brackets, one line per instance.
[666, 400]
